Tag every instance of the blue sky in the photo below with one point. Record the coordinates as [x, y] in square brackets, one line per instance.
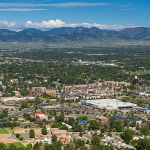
[46, 14]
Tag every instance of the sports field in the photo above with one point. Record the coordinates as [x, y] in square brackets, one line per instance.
[17, 144]
[3, 131]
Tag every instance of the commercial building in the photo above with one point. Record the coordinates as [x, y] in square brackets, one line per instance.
[129, 119]
[143, 110]
[108, 104]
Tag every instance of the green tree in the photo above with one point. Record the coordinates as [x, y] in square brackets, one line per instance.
[54, 138]
[145, 130]
[68, 147]
[94, 124]
[44, 131]
[3, 146]
[37, 146]
[79, 144]
[60, 118]
[143, 144]
[28, 147]
[127, 135]
[24, 104]
[95, 142]
[31, 133]
[12, 147]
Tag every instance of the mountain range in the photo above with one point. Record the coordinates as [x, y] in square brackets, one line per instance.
[73, 34]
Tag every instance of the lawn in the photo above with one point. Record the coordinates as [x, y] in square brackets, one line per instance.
[17, 144]
[3, 131]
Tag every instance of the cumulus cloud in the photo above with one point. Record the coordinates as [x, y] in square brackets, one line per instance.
[46, 25]
[8, 25]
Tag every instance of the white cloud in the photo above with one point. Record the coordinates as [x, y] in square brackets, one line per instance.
[69, 4]
[8, 25]
[45, 25]
[20, 9]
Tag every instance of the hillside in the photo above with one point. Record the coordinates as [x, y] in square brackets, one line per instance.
[67, 34]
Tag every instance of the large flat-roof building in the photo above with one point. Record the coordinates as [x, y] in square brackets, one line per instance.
[109, 104]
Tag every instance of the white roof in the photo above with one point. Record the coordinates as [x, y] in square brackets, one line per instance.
[109, 103]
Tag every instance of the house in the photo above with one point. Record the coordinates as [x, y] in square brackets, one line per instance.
[102, 119]
[40, 116]
[67, 125]
[13, 81]
[62, 135]
[17, 93]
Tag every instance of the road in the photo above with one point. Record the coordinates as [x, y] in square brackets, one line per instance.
[20, 113]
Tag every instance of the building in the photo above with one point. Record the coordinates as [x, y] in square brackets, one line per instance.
[129, 119]
[40, 116]
[67, 125]
[143, 110]
[62, 135]
[102, 119]
[37, 90]
[109, 104]
[9, 100]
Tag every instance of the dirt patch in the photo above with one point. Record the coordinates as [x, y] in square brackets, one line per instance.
[7, 138]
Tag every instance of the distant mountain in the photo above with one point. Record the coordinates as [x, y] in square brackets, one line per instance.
[135, 33]
[73, 34]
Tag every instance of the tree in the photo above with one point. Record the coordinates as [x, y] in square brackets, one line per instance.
[143, 144]
[37, 146]
[60, 118]
[81, 134]
[12, 147]
[28, 147]
[68, 147]
[145, 130]
[54, 138]
[31, 133]
[79, 144]
[94, 125]
[127, 135]
[44, 131]
[24, 104]
[95, 142]
[3, 146]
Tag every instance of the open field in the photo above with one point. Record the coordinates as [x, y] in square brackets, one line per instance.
[17, 144]
[142, 72]
[3, 131]
[7, 138]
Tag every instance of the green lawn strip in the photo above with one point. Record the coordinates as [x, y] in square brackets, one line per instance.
[43, 98]
[3, 131]
[17, 144]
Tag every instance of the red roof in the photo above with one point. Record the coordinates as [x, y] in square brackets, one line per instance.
[37, 113]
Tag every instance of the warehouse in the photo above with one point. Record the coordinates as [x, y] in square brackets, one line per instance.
[109, 104]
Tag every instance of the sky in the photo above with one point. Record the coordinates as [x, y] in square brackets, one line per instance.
[48, 14]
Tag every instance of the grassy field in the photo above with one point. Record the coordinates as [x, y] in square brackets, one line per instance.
[142, 72]
[3, 131]
[17, 144]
